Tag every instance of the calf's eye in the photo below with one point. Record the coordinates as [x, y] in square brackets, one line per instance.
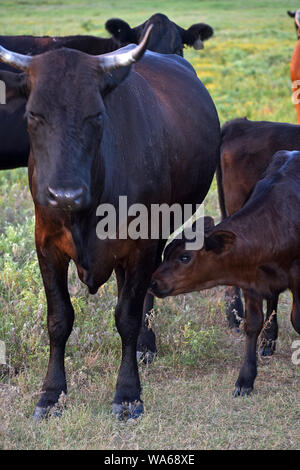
[185, 258]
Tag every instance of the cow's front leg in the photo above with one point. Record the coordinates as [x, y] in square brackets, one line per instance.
[128, 315]
[234, 307]
[269, 334]
[253, 325]
[54, 269]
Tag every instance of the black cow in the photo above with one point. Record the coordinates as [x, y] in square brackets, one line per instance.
[167, 37]
[98, 129]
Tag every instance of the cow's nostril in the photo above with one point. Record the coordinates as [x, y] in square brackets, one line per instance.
[153, 284]
[68, 199]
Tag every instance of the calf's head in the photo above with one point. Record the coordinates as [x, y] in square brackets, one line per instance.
[66, 116]
[185, 271]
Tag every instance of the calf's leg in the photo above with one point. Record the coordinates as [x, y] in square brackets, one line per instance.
[253, 325]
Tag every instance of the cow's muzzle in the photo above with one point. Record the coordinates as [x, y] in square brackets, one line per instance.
[74, 199]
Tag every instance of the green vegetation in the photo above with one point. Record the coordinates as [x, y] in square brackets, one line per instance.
[188, 390]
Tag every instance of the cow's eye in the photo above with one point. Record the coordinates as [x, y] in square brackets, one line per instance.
[31, 116]
[96, 118]
[185, 258]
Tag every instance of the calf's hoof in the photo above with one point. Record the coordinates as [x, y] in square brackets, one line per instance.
[145, 357]
[128, 410]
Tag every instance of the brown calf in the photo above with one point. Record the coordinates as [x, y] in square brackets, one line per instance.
[257, 249]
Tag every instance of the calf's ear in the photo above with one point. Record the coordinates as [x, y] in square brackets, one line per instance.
[219, 242]
[15, 85]
[292, 14]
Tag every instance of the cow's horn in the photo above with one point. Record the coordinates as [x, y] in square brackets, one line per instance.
[124, 59]
[14, 59]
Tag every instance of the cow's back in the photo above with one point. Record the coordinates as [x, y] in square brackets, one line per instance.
[247, 148]
[173, 125]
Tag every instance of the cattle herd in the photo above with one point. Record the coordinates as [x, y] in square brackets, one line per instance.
[127, 116]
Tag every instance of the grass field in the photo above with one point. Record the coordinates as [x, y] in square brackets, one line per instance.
[188, 389]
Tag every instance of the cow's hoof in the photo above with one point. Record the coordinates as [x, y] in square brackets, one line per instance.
[40, 413]
[236, 329]
[242, 391]
[145, 357]
[267, 350]
[128, 410]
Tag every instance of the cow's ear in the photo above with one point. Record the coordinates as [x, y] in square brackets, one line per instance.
[121, 31]
[292, 14]
[219, 242]
[196, 34]
[110, 80]
[209, 223]
[15, 85]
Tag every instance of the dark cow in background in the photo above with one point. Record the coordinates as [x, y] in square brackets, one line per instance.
[247, 148]
[257, 248]
[98, 129]
[295, 64]
[167, 37]
[296, 15]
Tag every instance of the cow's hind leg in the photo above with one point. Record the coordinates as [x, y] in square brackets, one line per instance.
[54, 269]
[234, 307]
[146, 346]
[269, 333]
[253, 325]
[295, 288]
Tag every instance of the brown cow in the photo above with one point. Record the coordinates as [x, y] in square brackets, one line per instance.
[295, 65]
[246, 150]
[257, 248]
